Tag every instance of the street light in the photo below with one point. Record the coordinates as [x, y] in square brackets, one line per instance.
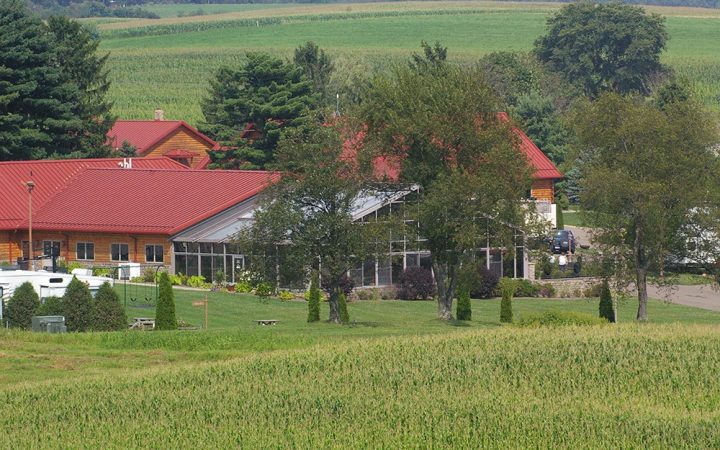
[30, 185]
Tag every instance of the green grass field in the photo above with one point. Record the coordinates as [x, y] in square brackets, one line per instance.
[167, 63]
[394, 378]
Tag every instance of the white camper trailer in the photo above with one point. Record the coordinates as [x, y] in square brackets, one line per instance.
[46, 284]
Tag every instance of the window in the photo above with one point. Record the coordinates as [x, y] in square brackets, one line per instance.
[153, 253]
[51, 248]
[85, 250]
[119, 252]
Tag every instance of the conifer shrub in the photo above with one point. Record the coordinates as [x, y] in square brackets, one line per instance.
[51, 306]
[108, 314]
[416, 283]
[342, 306]
[314, 300]
[464, 311]
[507, 289]
[165, 309]
[22, 306]
[559, 219]
[78, 306]
[607, 310]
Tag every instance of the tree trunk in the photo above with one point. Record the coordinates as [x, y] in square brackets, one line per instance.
[334, 306]
[445, 278]
[641, 275]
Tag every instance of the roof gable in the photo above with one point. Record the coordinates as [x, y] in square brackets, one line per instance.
[145, 134]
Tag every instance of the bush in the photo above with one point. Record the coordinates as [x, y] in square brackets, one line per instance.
[559, 318]
[175, 279]
[546, 290]
[607, 309]
[78, 306]
[197, 281]
[285, 295]
[342, 306]
[593, 291]
[149, 274]
[507, 288]
[264, 290]
[243, 287]
[314, 300]
[416, 283]
[108, 314]
[559, 219]
[165, 309]
[51, 306]
[345, 283]
[480, 281]
[525, 288]
[101, 272]
[220, 277]
[22, 306]
[464, 311]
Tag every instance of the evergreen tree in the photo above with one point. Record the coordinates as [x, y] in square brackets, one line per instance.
[507, 289]
[342, 306]
[314, 300]
[559, 218]
[607, 309]
[77, 58]
[37, 102]
[51, 306]
[108, 314]
[22, 306]
[78, 306]
[165, 309]
[317, 66]
[266, 93]
[464, 311]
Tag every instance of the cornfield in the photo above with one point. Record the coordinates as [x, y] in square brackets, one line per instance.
[630, 386]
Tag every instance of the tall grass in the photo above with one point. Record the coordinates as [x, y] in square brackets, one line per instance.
[592, 387]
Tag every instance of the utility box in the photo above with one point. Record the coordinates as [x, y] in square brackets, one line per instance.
[49, 324]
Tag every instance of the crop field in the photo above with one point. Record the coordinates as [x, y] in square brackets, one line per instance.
[167, 63]
[627, 386]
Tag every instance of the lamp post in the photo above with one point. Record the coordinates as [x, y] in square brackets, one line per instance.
[30, 185]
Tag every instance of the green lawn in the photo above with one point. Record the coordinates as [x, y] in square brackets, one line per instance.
[170, 68]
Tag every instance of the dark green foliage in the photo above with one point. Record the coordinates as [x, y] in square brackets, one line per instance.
[480, 282]
[76, 47]
[507, 288]
[525, 288]
[108, 314]
[165, 309]
[464, 311]
[343, 282]
[264, 290]
[416, 283]
[270, 94]
[607, 309]
[342, 307]
[559, 219]
[127, 149]
[317, 65]
[78, 306]
[433, 57]
[604, 47]
[314, 300]
[37, 100]
[22, 306]
[541, 120]
[51, 306]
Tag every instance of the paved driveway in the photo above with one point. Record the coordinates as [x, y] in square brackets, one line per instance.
[705, 296]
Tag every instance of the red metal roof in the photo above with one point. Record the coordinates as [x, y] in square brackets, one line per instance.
[49, 177]
[146, 201]
[544, 168]
[144, 134]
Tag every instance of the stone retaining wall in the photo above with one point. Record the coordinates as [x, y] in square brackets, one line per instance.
[571, 287]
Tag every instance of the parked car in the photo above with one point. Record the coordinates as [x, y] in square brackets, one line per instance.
[563, 241]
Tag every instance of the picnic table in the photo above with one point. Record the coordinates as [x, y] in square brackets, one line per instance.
[142, 323]
[264, 322]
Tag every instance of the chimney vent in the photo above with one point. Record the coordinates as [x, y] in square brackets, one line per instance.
[159, 114]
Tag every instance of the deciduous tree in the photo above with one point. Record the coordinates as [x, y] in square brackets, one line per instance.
[650, 174]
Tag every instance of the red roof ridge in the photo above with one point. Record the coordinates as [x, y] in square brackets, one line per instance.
[177, 124]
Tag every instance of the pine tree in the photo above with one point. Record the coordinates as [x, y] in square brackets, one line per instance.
[559, 219]
[342, 306]
[37, 102]
[77, 57]
[22, 306]
[78, 306]
[165, 309]
[507, 289]
[314, 300]
[317, 66]
[607, 309]
[108, 314]
[464, 311]
[270, 94]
